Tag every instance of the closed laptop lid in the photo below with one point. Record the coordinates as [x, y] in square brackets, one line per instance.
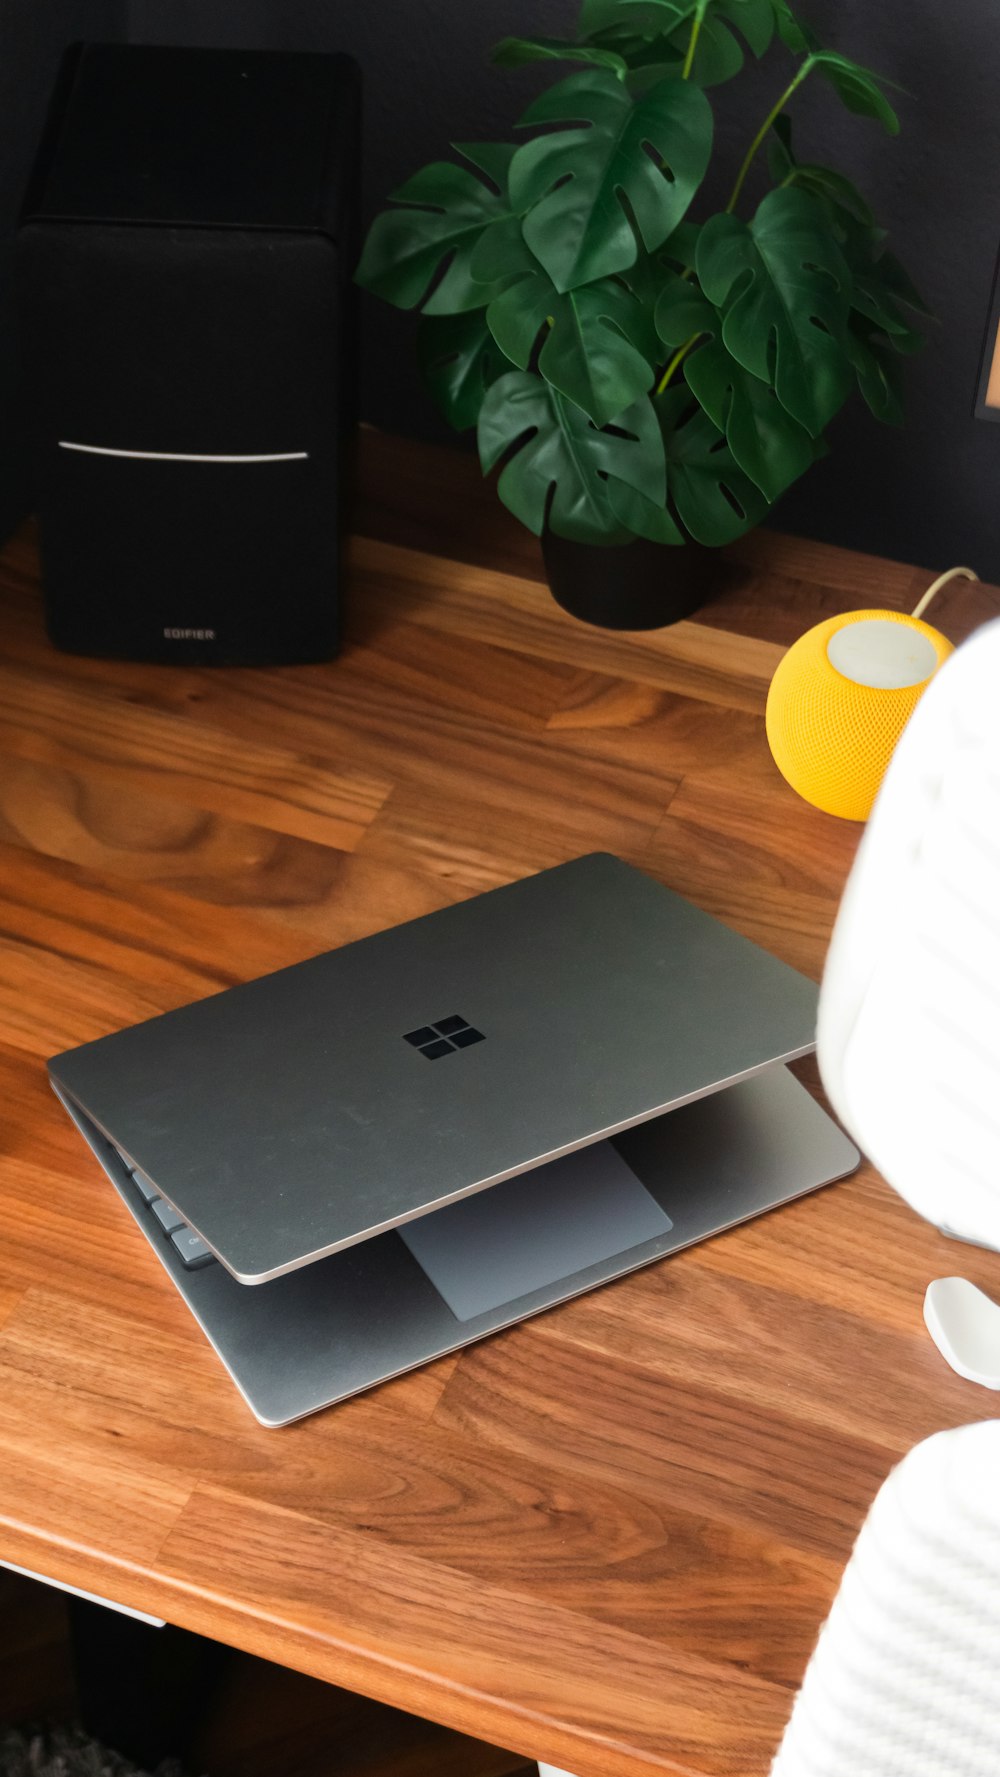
[310, 1109]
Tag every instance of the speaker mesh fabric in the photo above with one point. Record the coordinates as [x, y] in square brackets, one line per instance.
[186, 340]
[190, 352]
[831, 738]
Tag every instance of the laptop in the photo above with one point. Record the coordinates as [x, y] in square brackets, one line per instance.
[379, 1155]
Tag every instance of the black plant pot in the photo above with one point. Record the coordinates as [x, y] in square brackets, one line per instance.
[637, 585]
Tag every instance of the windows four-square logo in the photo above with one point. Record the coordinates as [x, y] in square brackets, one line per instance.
[443, 1037]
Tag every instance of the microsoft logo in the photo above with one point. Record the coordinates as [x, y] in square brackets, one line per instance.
[444, 1037]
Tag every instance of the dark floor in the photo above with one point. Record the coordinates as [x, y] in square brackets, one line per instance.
[262, 1721]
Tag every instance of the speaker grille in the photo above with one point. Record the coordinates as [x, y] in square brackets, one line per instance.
[831, 738]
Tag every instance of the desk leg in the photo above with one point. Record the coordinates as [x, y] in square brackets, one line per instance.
[141, 1689]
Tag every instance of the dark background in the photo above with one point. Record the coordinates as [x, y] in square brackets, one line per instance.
[925, 493]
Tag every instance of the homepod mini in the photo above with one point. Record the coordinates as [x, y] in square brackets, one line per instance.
[184, 267]
[841, 697]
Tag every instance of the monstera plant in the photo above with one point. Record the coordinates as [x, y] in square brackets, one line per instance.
[637, 368]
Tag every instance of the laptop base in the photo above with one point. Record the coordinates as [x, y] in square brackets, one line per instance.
[315, 1335]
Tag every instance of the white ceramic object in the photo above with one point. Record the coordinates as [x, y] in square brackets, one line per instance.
[965, 1326]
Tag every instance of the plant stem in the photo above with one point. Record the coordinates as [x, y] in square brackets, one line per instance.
[805, 69]
[692, 42]
[677, 359]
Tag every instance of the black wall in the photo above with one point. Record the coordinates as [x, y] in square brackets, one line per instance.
[926, 493]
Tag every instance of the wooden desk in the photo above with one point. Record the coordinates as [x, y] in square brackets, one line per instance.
[608, 1537]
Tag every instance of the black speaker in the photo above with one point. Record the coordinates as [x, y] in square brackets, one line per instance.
[190, 353]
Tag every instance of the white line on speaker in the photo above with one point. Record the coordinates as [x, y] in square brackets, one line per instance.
[183, 456]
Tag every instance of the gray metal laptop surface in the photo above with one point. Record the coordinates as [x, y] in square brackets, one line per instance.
[318, 1107]
[315, 1336]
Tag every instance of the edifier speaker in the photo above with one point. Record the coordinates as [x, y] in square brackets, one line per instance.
[184, 261]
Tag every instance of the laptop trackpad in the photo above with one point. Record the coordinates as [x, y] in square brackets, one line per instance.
[534, 1230]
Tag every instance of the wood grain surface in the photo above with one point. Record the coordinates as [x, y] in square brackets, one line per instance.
[607, 1537]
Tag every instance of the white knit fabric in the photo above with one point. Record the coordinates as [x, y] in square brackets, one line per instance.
[905, 1679]
[550, 1771]
[908, 1035]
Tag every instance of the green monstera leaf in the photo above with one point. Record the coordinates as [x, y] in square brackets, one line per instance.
[682, 310]
[660, 31]
[878, 293]
[877, 368]
[856, 87]
[444, 210]
[881, 290]
[647, 276]
[897, 280]
[841, 197]
[643, 517]
[572, 185]
[559, 462]
[644, 17]
[459, 359]
[666, 39]
[754, 19]
[794, 36]
[514, 52]
[596, 345]
[785, 291]
[648, 59]
[766, 442]
[714, 500]
[717, 56]
[590, 351]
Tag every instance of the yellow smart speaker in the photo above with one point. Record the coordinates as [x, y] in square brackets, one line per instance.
[842, 696]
